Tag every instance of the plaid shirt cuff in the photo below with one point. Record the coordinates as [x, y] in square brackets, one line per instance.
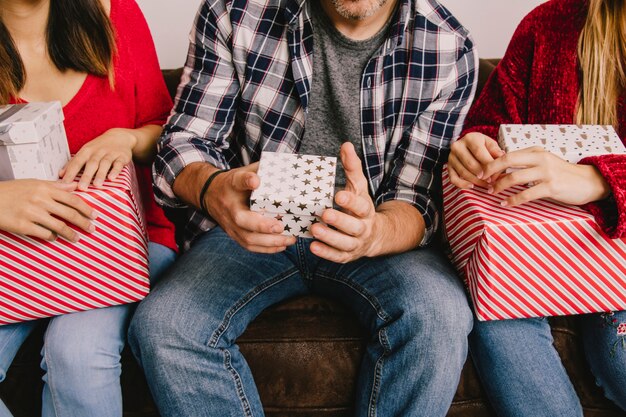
[179, 152]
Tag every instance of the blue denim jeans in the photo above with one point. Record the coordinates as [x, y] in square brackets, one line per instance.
[412, 305]
[81, 354]
[523, 374]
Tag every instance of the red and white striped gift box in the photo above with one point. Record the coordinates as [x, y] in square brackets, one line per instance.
[539, 259]
[108, 267]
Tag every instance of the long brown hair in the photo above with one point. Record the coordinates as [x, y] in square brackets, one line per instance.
[602, 56]
[79, 37]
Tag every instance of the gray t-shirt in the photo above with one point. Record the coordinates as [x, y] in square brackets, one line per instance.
[334, 115]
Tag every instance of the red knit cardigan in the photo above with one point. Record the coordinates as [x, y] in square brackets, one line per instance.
[537, 82]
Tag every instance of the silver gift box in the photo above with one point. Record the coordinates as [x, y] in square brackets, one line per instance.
[295, 189]
[33, 143]
[570, 142]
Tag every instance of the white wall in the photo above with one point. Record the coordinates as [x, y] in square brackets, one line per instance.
[491, 21]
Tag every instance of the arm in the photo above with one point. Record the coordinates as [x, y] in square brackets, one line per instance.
[403, 214]
[198, 133]
[105, 156]
[415, 170]
[610, 213]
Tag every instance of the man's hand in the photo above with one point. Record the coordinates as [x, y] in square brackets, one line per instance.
[43, 209]
[550, 175]
[359, 228]
[227, 203]
[468, 158]
[356, 224]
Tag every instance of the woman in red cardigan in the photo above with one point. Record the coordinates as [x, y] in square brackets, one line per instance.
[566, 63]
[97, 58]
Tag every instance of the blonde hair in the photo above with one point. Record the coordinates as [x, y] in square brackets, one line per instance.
[602, 56]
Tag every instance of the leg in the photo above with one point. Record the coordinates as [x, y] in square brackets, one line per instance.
[81, 356]
[521, 370]
[415, 309]
[604, 338]
[11, 338]
[159, 259]
[184, 332]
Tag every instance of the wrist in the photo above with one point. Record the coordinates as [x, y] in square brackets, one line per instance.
[374, 247]
[599, 188]
[204, 191]
[129, 136]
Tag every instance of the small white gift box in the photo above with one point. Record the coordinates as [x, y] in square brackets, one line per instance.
[33, 143]
[295, 189]
[570, 142]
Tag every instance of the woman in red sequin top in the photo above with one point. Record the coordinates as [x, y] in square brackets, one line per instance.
[566, 64]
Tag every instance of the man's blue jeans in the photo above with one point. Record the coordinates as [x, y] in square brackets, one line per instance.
[412, 305]
[523, 374]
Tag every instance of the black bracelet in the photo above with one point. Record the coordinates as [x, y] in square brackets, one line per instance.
[205, 187]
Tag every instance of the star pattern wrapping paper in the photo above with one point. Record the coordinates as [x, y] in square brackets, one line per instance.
[570, 142]
[295, 189]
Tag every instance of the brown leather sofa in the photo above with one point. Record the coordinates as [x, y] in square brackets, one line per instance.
[304, 355]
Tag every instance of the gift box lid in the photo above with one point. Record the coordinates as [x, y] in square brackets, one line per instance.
[571, 142]
[29, 122]
[294, 184]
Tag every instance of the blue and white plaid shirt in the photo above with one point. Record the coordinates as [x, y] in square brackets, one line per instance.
[246, 88]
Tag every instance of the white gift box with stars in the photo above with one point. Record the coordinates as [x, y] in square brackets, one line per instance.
[295, 189]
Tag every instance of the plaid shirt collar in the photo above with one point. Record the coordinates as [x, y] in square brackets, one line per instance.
[297, 14]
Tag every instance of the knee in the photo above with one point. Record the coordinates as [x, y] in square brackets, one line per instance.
[78, 357]
[147, 329]
[159, 327]
[444, 319]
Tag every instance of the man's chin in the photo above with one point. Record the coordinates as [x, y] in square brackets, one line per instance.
[357, 9]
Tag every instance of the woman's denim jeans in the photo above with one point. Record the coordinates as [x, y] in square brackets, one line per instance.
[81, 354]
[523, 374]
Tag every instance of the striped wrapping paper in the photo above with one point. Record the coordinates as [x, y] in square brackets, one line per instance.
[108, 267]
[539, 259]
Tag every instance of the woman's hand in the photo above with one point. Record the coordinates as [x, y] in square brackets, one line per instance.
[103, 157]
[468, 157]
[43, 209]
[549, 176]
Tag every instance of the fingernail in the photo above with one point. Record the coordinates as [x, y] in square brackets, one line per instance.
[319, 231]
[471, 186]
[480, 175]
[342, 199]
[490, 190]
[94, 215]
[330, 217]
[276, 229]
[91, 228]
[504, 203]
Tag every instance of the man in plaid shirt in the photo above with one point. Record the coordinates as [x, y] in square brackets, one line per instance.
[390, 79]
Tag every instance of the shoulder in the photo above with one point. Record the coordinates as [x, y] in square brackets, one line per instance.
[438, 15]
[125, 13]
[251, 8]
[558, 16]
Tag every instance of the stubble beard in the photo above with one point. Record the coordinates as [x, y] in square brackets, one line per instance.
[358, 9]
